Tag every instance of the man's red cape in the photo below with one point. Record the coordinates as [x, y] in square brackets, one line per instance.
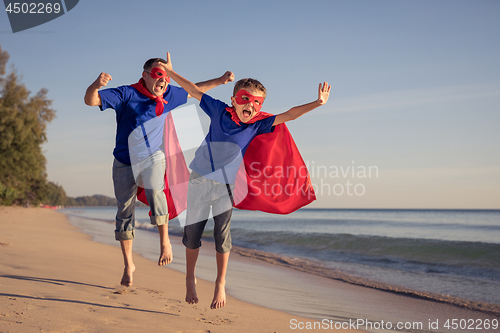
[176, 171]
[275, 178]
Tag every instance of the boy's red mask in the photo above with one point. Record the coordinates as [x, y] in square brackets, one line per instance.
[243, 97]
[157, 73]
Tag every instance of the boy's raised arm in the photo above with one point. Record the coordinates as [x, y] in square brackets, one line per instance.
[196, 90]
[297, 111]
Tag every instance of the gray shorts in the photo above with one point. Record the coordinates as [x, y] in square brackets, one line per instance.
[204, 194]
[125, 185]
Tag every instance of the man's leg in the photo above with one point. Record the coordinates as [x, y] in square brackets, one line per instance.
[165, 246]
[154, 184]
[128, 272]
[125, 192]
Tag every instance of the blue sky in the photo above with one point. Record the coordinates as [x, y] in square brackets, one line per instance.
[415, 87]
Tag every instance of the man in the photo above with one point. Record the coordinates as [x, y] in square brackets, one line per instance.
[137, 106]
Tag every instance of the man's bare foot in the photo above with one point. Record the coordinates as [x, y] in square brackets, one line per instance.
[166, 254]
[191, 296]
[219, 295]
[127, 277]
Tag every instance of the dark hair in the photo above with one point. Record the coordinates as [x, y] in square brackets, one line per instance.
[149, 64]
[249, 83]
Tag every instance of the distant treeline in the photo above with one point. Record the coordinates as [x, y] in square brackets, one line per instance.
[94, 201]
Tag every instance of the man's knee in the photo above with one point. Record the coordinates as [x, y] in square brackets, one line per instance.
[159, 220]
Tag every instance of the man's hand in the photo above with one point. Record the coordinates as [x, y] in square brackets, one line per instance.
[323, 93]
[92, 96]
[101, 81]
[227, 77]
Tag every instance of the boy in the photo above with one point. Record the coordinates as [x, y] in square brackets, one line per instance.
[216, 163]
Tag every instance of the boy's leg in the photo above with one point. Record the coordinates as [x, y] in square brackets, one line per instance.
[198, 210]
[191, 259]
[219, 299]
[125, 193]
[222, 238]
[192, 241]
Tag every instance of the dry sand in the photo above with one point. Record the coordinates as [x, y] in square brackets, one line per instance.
[55, 279]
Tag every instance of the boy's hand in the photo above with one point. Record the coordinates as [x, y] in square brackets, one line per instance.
[102, 80]
[227, 77]
[323, 93]
[168, 66]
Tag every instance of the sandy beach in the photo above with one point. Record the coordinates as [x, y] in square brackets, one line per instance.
[54, 278]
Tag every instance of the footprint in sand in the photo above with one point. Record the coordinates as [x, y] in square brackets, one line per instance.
[121, 291]
[214, 321]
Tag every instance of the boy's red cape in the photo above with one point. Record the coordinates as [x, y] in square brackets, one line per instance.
[275, 174]
[275, 178]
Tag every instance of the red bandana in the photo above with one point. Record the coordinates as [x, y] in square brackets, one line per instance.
[141, 87]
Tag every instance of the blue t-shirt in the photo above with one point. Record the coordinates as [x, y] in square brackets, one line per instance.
[221, 153]
[139, 131]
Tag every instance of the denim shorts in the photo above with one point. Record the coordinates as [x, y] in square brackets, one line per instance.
[203, 194]
[151, 177]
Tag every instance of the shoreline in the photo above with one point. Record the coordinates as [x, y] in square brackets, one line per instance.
[300, 292]
[309, 267]
[312, 267]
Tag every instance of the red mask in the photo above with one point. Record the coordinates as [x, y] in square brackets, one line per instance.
[244, 97]
[157, 73]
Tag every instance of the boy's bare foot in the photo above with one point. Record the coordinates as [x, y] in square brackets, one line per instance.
[191, 296]
[166, 254]
[219, 295]
[127, 277]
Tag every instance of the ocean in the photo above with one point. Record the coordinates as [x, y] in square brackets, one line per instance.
[447, 255]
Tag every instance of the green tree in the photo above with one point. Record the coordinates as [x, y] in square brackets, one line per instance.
[23, 122]
[56, 195]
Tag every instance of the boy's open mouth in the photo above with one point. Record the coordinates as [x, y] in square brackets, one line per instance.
[247, 113]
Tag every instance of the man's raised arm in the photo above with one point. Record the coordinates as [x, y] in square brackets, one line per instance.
[92, 96]
[209, 84]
